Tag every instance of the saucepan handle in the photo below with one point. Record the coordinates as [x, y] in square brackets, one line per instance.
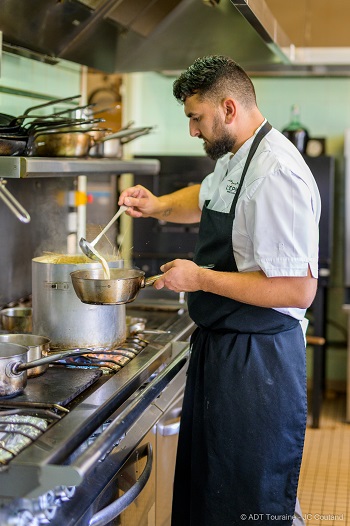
[152, 279]
[19, 367]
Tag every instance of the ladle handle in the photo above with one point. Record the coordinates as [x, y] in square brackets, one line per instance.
[114, 218]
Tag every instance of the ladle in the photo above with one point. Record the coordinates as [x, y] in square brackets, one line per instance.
[88, 248]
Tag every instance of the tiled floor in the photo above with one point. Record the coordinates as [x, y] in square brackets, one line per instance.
[324, 485]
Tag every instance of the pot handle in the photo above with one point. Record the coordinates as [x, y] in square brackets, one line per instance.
[18, 367]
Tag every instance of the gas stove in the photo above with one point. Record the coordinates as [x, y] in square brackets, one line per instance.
[80, 420]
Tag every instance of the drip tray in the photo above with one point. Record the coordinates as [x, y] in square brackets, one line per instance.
[58, 385]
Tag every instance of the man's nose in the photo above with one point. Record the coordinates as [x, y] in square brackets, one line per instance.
[194, 131]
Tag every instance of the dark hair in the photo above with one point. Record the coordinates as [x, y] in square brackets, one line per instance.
[214, 77]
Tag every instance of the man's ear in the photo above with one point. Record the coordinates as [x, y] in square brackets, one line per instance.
[229, 106]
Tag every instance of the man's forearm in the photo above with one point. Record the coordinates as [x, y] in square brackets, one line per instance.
[180, 206]
[255, 288]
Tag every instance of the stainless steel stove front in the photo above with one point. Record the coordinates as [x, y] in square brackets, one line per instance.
[63, 476]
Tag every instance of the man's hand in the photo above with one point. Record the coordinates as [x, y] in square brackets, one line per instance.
[180, 275]
[141, 202]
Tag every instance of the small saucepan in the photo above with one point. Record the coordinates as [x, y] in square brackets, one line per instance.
[14, 366]
[123, 287]
[16, 319]
[38, 346]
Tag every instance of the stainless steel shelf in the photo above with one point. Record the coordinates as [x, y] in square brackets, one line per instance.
[22, 167]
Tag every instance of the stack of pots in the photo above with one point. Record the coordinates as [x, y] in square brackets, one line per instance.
[59, 315]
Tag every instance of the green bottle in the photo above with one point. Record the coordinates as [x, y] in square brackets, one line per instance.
[295, 131]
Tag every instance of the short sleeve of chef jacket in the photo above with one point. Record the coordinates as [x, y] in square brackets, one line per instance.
[277, 214]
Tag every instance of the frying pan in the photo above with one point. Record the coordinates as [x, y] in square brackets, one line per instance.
[17, 121]
[14, 366]
[10, 123]
[123, 287]
[12, 144]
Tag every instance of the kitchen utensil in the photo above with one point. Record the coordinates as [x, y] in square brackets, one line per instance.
[12, 144]
[13, 366]
[135, 326]
[123, 287]
[12, 203]
[16, 319]
[78, 143]
[20, 119]
[59, 315]
[38, 346]
[88, 248]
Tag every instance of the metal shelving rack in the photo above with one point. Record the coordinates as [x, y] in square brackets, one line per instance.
[25, 167]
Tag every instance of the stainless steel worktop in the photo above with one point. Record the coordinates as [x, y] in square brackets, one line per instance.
[23, 167]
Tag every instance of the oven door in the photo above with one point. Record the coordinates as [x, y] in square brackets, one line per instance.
[140, 492]
[130, 498]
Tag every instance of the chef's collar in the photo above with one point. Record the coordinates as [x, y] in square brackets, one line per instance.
[235, 158]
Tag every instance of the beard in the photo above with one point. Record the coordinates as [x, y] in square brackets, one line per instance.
[223, 144]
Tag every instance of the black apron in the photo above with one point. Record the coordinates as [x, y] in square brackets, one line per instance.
[244, 413]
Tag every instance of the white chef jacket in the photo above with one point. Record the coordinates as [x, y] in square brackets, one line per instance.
[278, 210]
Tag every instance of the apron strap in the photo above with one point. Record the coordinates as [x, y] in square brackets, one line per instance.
[257, 139]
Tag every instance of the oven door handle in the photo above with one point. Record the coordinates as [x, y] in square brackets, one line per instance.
[114, 509]
[167, 430]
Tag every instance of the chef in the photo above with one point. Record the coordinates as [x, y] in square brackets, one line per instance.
[244, 412]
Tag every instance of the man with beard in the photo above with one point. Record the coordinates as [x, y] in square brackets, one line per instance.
[244, 411]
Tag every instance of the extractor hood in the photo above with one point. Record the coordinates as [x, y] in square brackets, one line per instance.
[121, 36]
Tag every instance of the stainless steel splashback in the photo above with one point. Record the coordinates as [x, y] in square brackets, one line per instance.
[46, 200]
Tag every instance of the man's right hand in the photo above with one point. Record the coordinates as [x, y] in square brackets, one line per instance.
[140, 201]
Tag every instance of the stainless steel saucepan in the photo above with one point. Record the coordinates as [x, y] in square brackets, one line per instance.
[14, 366]
[37, 346]
[79, 143]
[123, 287]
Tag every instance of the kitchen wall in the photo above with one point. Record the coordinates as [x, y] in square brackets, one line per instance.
[25, 83]
[325, 111]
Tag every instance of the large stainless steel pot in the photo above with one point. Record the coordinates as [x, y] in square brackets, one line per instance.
[60, 316]
[37, 346]
[14, 366]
